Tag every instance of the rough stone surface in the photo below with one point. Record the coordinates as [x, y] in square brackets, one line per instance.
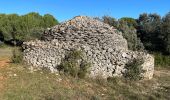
[103, 46]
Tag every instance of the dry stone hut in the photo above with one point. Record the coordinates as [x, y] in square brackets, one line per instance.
[103, 46]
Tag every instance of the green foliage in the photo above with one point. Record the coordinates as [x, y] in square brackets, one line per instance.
[134, 69]
[154, 32]
[35, 33]
[130, 21]
[165, 32]
[128, 27]
[73, 65]
[162, 60]
[2, 45]
[24, 27]
[49, 20]
[83, 69]
[17, 56]
[149, 31]
[109, 20]
[130, 34]
[149, 26]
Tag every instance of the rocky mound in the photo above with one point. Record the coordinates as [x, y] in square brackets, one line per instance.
[102, 45]
[85, 30]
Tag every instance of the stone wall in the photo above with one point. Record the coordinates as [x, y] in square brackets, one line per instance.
[103, 46]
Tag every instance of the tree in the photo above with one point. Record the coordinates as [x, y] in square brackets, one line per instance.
[149, 31]
[1, 37]
[109, 20]
[165, 30]
[25, 27]
[9, 26]
[49, 20]
[127, 26]
[130, 21]
[130, 34]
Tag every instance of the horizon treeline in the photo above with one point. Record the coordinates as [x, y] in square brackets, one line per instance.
[149, 31]
[24, 27]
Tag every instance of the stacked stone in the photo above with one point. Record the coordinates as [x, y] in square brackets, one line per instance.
[86, 30]
[103, 46]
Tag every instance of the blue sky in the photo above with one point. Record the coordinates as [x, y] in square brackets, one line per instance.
[66, 9]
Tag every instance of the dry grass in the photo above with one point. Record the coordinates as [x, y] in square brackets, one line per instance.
[21, 84]
[5, 52]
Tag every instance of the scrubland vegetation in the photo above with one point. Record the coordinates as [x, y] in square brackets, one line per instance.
[15, 28]
[17, 82]
[149, 33]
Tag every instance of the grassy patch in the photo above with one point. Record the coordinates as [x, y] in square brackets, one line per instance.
[162, 60]
[6, 52]
[22, 84]
[3, 45]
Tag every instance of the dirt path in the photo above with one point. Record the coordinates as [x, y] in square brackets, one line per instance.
[162, 72]
[5, 54]
[3, 63]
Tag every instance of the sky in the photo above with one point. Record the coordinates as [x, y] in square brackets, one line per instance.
[66, 9]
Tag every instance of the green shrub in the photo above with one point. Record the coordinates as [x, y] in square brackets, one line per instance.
[83, 69]
[17, 56]
[74, 65]
[162, 60]
[134, 69]
[24, 27]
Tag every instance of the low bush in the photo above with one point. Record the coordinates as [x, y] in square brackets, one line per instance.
[17, 55]
[74, 65]
[83, 69]
[162, 60]
[134, 69]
